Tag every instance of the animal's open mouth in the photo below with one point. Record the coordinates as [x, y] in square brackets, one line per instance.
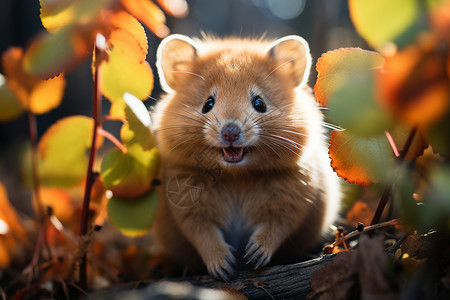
[234, 154]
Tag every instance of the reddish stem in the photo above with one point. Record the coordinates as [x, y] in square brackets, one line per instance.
[42, 216]
[96, 111]
[113, 139]
[392, 143]
[34, 164]
[388, 189]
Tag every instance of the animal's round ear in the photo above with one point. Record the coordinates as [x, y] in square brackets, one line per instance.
[294, 51]
[174, 55]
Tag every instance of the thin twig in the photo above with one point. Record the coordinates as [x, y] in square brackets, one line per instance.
[113, 139]
[34, 164]
[388, 189]
[41, 242]
[366, 229]
[90, 172]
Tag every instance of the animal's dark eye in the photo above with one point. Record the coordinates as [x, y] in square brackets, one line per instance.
[259, 105]
[209, 104]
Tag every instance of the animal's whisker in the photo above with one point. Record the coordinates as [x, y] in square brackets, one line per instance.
[279, 143]
[195, 119]
[284, 139]
[281, 65]
[187, 72]
[199, 113]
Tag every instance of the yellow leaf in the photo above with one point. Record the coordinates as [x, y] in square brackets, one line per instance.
[122, 74]
[57, 14]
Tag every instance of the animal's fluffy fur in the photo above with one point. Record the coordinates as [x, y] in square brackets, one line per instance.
[274, 201]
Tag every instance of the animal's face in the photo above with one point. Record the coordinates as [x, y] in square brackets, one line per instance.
[235, 109]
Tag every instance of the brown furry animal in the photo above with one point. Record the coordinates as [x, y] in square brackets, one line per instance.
[245, 172]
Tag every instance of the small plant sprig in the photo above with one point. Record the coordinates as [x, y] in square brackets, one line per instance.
[109, 32]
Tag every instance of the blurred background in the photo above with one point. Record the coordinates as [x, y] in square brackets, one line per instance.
[325, 24]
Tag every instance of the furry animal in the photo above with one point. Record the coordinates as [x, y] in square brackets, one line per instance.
[246, 178]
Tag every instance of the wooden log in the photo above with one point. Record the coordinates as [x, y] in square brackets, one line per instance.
[277, 282]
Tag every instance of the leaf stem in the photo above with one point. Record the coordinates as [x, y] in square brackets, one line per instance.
[41, 214]
[388, 189]
[34, 164]
[113, 139]
[90, 177]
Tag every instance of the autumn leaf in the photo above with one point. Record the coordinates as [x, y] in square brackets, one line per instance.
[62, 152]
[35, 94]
[128, 36]
[133, 217]
[51, 54]
[10, 217]
[361, 160]
[365, 160]
[354, 106]
[335, 66]
[359, 213]
[149, 14]
[129, 174]
[414, 83]
[139, 122]
[10, 107]
[60, 202]
[119, 77]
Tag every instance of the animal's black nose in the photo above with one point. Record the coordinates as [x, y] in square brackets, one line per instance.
[230, 132]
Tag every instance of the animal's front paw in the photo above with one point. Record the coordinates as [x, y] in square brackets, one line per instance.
[222, 264]
[257, 252]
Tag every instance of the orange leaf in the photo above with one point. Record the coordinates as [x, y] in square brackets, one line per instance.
[335, 66]
[149, 14]
[123, 41]
[364, 160]
[60, 202]
[440, 19]
[36, 95]
[124, 22]
[9, 216]
[358, 159]
[414, 84]
[360, 212]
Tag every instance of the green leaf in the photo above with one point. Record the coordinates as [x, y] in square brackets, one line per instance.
[334, 67]
[10, 107]
[139, 121]
[433, 212]
[358, 159]
[52, 54]
[353, 106]
[133, 217]
[382, 21]
[437, 134]
[129, 174]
